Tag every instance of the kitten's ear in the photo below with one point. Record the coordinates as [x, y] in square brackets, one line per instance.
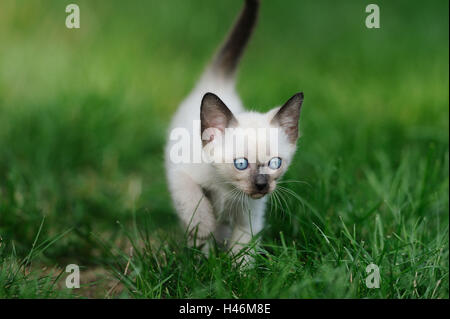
[215, 114]
[287, 117]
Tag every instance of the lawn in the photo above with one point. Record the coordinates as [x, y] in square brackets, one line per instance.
[83, 122]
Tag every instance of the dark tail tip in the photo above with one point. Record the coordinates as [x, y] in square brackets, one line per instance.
[228, 57]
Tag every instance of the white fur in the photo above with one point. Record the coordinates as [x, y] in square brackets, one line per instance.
[230, 219]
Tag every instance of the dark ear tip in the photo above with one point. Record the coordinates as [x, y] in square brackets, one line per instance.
[296, 99]
[209, 95]
[300, 95]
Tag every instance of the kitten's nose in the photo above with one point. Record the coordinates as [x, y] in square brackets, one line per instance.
[261, 182]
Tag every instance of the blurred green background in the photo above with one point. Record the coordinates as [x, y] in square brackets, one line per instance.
[84, 114]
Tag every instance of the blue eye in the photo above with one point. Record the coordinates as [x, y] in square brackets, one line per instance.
[275, 163]
[241, 163]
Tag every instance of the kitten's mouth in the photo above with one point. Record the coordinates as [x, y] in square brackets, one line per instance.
[257, 195]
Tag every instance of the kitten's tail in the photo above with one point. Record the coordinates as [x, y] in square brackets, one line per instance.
[225, 62]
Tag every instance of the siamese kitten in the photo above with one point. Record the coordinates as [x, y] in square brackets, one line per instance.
[226, 199]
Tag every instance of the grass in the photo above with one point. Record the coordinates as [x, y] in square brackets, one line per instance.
[83, 118]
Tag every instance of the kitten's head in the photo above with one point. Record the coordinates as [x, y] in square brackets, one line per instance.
[251, 150]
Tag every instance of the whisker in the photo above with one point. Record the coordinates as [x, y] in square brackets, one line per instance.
[286, 203]
[272, 203]
[294, 181]
[277, 198]
[294, 194]
[234, 201]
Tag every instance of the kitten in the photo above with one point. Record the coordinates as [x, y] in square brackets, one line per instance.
[227, 199]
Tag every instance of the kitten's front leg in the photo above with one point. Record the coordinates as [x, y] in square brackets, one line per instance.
[192, 206]
[247, 224]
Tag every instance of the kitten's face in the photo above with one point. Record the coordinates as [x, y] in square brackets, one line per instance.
[255, 149]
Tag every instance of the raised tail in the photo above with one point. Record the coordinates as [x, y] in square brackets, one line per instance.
[226, 60]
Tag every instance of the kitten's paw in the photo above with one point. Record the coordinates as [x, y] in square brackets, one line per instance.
[203, 224]
[201, 233]
[243, 257]
[245, 261]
